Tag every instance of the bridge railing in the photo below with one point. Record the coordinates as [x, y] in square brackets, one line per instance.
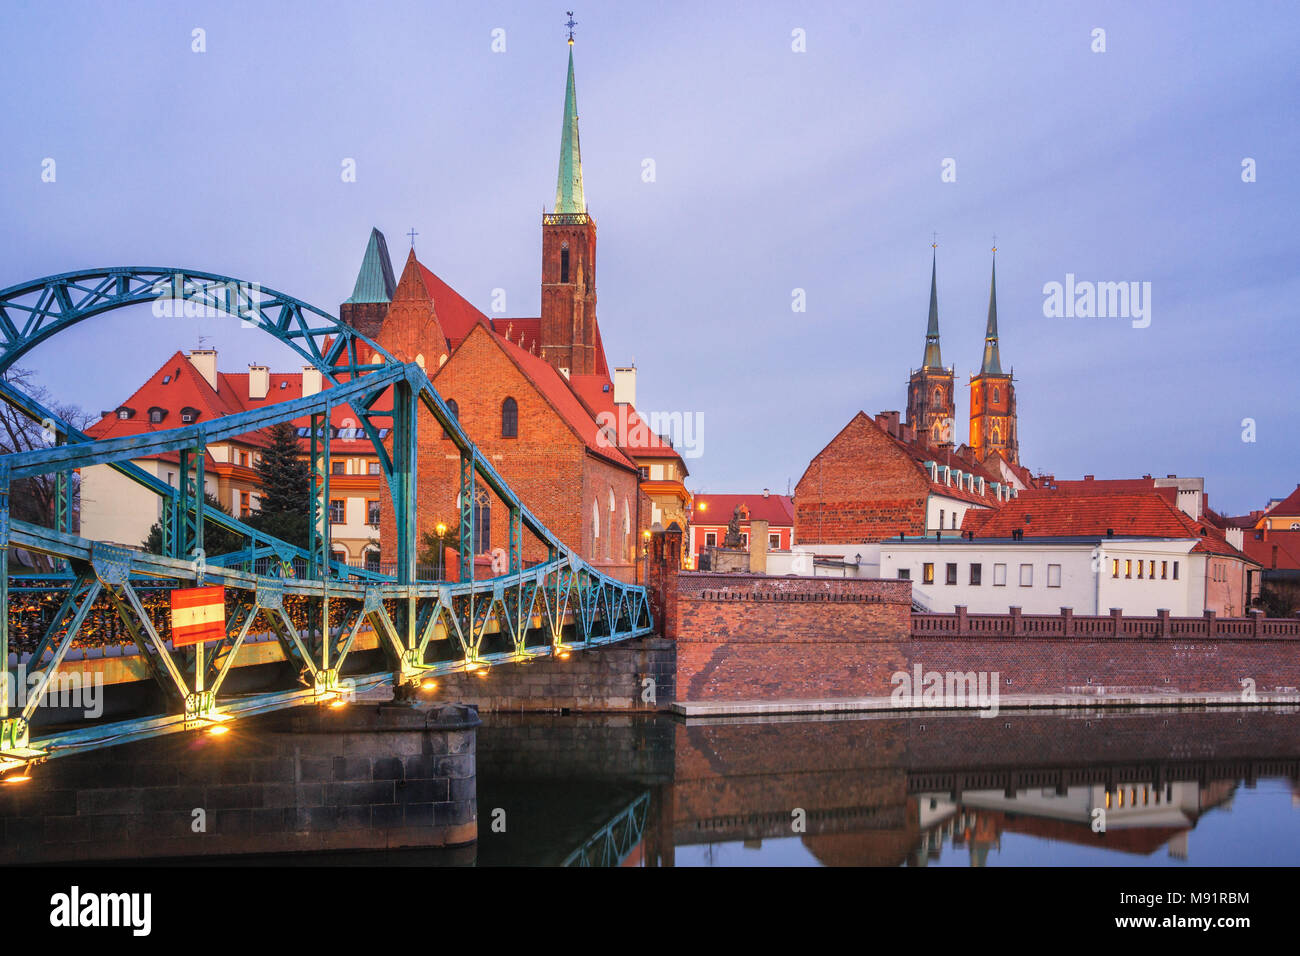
[1116, 625]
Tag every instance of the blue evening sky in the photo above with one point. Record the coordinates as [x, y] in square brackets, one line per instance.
[775, 170]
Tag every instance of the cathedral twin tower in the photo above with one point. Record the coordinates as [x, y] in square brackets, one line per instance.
[931, 399]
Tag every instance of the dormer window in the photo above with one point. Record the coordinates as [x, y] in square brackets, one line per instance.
[167, 379]
[188, 415]
[124, 413]
[156, 415]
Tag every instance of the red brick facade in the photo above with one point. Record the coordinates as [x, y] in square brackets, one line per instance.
[860, 487]
[569, 335]
[547, 465]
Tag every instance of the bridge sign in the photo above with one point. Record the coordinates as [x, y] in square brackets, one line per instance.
[198, 615]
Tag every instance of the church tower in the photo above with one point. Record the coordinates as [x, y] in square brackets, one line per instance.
[569, 338]
[931, 408]
[992, 394]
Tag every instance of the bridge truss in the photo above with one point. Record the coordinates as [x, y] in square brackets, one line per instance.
[424, 627]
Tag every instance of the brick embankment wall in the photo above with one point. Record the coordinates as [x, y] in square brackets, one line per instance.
[749, 636]
[607, 679]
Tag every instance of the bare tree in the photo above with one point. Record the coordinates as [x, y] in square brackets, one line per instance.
[33, 499]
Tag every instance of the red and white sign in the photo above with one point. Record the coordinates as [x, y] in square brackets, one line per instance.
[198, 615]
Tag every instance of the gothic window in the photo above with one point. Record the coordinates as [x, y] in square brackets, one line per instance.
[938, 396]
[482, 521]
[455, 413]
[564, 263]
[995, 395]
[997, 437]
[509, 419]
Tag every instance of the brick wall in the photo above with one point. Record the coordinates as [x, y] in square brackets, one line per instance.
[860, 487]
[610, 679]
[546, 465]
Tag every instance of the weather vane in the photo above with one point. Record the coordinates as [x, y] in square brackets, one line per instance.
[412, 234]
[571, 24]
[935, 243]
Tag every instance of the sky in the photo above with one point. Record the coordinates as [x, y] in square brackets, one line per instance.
[793, 147]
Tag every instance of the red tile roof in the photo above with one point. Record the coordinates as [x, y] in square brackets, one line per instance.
[456, 316]
[1288, 506]
[777, 510]
[1279, 551]
[1148, 514]
[597, 393]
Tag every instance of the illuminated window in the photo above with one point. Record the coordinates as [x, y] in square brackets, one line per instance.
[1140, 565]
[1164, 570]
[1114, 567]
[1128, 567]
[927, 573]
[1151, 570]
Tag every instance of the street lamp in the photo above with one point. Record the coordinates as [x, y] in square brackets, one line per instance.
[442, 551]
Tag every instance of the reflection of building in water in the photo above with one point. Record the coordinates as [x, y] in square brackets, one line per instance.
[1139, 817]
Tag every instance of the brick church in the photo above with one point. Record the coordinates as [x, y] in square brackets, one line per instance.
[531, 392]
[882, 477]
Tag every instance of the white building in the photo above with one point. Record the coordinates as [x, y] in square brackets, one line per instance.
[1090, 575]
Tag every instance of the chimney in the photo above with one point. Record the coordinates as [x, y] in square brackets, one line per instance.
[259, 381]
[311, 380]
[1234, 537]
[1089, 477]
[205, 363]
[625, 386]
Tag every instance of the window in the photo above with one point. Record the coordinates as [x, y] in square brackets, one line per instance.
[950, 574]
[338, 511]
[1053, 575]
[643, 473]
[774, 542]
[455, 413]
[372, 513]
[995, 395]
[189, 414]
[1175, 570]
[374, 468]
[1026, 575]
[1114, 567]
[711, 539]
[155, 416]
[999, 575]
[338, 468]
[509, 419]
[243, 459]
[904, 574]
[976, 572]
[941, 519]
[564, 263]
[927, 573]
[124, 413]
[1164, 570]
[1141, 564]
[1151, 572]
[744, 539]
[372, 560]
[245, 504]
[1128, 567]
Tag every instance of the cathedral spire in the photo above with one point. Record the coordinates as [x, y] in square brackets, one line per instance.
[569, 198]
[992, 361]
[932, 357]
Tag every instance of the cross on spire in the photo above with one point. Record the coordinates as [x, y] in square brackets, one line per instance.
[995, 242]
[412, 234]
[571, 24]
[935, 243]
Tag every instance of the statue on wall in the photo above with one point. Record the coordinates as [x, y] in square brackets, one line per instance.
[733, 539]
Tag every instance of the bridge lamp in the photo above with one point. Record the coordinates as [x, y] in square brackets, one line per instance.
[428, 684]
[22, 776]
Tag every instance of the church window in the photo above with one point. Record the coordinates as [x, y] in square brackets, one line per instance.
[455, 413]
[995, 395]
[564, 264]
[509, 419]
[938, 396]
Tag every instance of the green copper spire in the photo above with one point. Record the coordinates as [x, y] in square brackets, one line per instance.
[568, 187]
[375, 282]
[932, 358]
[992, 362]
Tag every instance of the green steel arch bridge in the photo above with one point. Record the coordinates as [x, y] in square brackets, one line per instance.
[424, 627]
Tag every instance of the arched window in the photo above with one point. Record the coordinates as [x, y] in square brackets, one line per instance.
[997, 437]
[995, 394]
[564, 263]
[455, 413]
[595, 526]
[509, 419]
[482, 521]
[609, 543]
[629, 544]
[938, 396]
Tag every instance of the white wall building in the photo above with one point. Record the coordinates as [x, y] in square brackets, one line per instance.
[1042, 575]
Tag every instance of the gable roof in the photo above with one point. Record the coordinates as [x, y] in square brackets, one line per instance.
[1287, 507]
[637, 439]
[1279, 551]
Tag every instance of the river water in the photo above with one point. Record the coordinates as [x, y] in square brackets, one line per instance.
[1104, 788]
